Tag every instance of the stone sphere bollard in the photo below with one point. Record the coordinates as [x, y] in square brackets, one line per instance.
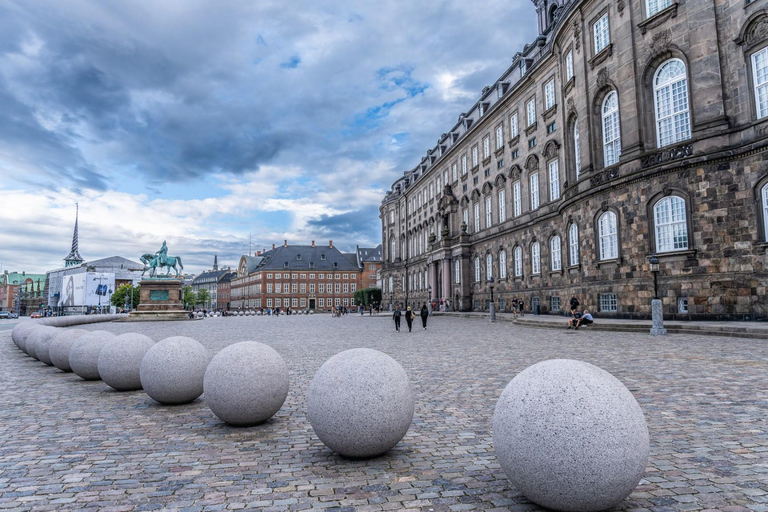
[39, 334]
[85, 351]
[43, 343]
[239, 313]
[61, 346]
[120, 360]
[173, 369]
[360, 403]
[246, 383]
[20, 333]
[570, 436]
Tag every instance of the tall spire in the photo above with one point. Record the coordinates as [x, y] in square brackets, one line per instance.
[74, 258]
[215, 262]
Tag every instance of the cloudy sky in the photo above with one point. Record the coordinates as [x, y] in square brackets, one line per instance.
[202, 122]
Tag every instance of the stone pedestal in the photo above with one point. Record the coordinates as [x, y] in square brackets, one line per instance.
[657, 317]
[492, 310]
[160, 299]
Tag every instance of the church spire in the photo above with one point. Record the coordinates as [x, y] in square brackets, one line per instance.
[215, 262]
[74, 258]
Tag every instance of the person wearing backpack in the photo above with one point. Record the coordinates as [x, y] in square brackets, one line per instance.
[396, 315]
[424, 316]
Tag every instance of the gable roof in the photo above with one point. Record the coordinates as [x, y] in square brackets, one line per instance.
[305, 257]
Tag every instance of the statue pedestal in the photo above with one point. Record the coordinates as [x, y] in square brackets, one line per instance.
[160, 299]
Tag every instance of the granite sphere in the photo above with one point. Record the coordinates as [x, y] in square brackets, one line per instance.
[20, 333]
[246, 383]
[570, 436]
[38, 334]
[45, 335]
[61, 345]
[360, 403]
[85, 351]
[173, 370]
[120, 360]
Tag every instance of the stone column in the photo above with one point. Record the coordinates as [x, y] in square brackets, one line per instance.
[447, 272]
[657, 317]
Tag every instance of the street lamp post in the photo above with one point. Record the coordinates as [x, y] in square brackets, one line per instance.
[429, 300]
[391, 299]
[492, 306]
[657, 310]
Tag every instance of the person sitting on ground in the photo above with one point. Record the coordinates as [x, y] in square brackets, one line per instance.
[575, 316]
[586, 319]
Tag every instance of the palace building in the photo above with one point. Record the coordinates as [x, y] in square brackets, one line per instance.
[626, 129]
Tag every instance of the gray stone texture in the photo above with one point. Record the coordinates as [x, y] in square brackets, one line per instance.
[21, 332]
[657, 315]
[246, 383]
[61, 346]
[173, 370]
[120, 360]
[570, 436]
[360, 403]
[38, 334]
[84, 354]
[45, 336]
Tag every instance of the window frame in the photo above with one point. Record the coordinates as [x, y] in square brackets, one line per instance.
[759, 113]
[502, 264]
[535, 258]
[517, 199]
[672, 224]
[554, 179]
[574, 256]
[488, 266]
[550, 99]
[517, 256]
[477, 269]
[502, 199]
[616, 121]
[476, 215]
[533, 179]
[603, 255]
[488, 212]
[499, 136]
[597, 39]
[676, 138]
[576, 148]
[651, 13]
[530, 112]
[555, 254]
[514, 126]
[569, 65]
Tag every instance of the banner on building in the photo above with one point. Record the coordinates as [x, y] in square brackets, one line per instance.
[99, 287]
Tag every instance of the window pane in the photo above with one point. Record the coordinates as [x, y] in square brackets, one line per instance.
[671, 102]
[608, 236]
[760, 72]
[671, 227]
[574, 244]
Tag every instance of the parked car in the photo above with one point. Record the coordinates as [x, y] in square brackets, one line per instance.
[14, 315]
[35, 315]
[5, 314]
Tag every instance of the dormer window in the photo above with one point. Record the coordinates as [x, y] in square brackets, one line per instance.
[298, 256]
[522, 68]
[335, 265]
[311, 264]
[285, 265]
[322, 257]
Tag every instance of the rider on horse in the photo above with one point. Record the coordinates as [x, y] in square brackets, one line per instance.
[161, 255]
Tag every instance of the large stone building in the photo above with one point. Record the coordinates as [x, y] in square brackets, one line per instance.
[31, 286]
[217, 283]
[625, 129]
[297, 276]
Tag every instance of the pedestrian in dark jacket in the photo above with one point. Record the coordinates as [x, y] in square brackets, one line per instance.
[424, 316]
[409, 318]
[396, 315]
[574, 303]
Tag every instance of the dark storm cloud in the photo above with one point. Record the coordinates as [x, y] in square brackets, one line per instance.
[354, 225]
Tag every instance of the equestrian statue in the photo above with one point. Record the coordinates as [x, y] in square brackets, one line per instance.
[161, 259]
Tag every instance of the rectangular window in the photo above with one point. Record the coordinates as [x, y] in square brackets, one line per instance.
[269, 287]
[514, 129]
[269, 303]
[601, 33]
[346, 301]
[554, 181]
[682, 305]
[534, 183]
[487, 172]
[453, 172]
[285, 276]
[464, 165]
[760, 72]
[311, 287]
[477, 217]
[530, 108]
[345, 276]
[549, 94]
[337, 301]
[499, 137]
[517, 202]
[294, 302]
[488, 212]
[269, 276]
[278, 288]
[569, 65]
[353, 286]
[465, 217]
[608, 302]
[321, 287]
[303, 303]
[532, 143]
[655, 6]
[500, 163]
[294, 276]
[457, 271]
[475, 160]
[337, 287]
[303, 288]
[486, 146]
[346, 287]
[294, 288]
[279, 302]
[515, 154]
[502, 205]
[551, 127]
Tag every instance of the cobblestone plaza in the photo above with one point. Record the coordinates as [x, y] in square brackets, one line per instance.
[69, 444]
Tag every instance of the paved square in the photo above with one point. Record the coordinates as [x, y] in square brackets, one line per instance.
[66, 443]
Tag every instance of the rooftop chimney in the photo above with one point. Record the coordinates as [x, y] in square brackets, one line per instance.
[273, 247]
[313, 243]
[285, 243]
[330, 244]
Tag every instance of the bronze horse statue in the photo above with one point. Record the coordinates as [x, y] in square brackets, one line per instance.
[153, 262]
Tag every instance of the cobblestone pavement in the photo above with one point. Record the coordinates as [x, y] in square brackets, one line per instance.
[66, 443]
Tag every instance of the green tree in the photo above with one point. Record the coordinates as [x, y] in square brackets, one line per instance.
[202, 297]
[368, 296]
[189, 297]
[122, 293]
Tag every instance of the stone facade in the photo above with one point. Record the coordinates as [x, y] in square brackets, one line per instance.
[689, 184]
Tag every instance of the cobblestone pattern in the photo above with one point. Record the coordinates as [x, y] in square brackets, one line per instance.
[70, 444]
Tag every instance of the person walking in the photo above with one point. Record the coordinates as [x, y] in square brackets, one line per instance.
[396, 315]
[409, 318]
[424, 316]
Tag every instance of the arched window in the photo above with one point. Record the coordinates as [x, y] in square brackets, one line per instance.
[573, 244]
[671, 226]
[535, 258]
[760, 81]
[670, 98]
[488, 266]
[518, 261]
[503, 265]
[576, 148]
[477, 270]
[611, 129]
[392, 254]
[457, 271]
[609, 241]
[764, 194]
[556, 261]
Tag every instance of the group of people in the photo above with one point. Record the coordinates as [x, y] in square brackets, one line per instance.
[410, 315]
[578, 319]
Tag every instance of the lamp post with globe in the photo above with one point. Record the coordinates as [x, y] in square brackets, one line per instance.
[492, 307]
[657, 308]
